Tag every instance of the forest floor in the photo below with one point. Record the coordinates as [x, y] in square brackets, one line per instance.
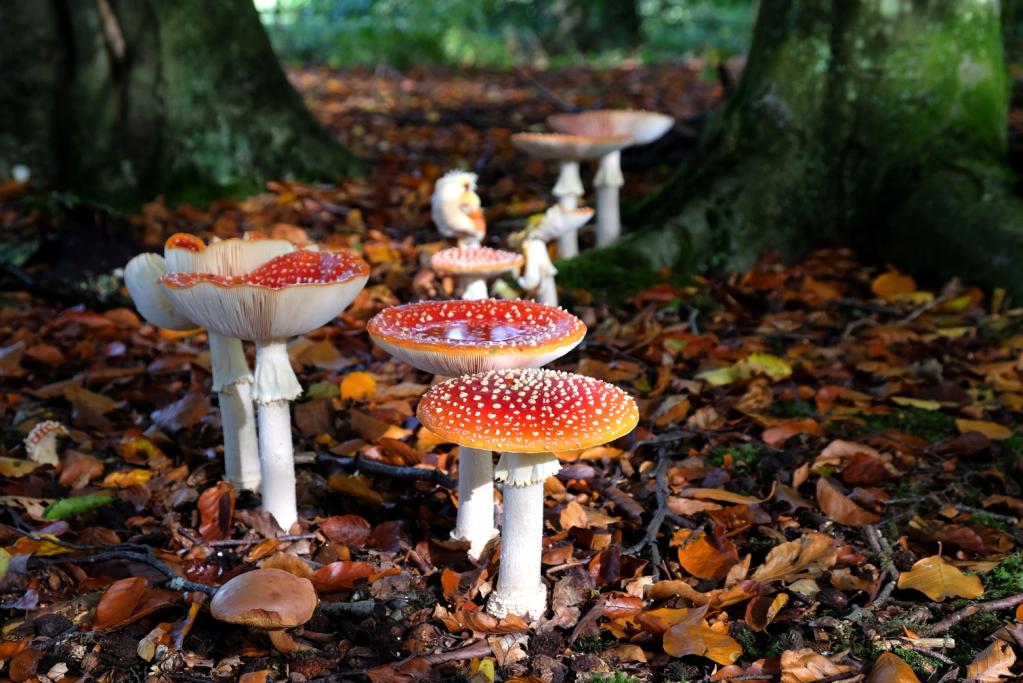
[825, 483]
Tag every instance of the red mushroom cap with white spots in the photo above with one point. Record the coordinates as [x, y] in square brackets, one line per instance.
[481, 261]
[457, 338]
[644, 126]
[569, 147]
[187, 253]
[289, 295]
[527, 411]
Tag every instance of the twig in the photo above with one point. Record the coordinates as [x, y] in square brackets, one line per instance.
[983, 608]
[478, 649]
[175, 581]
[650, 538]
[362, 609]
[994, 515]
[693, 313]
[432, 476]
[231, 542]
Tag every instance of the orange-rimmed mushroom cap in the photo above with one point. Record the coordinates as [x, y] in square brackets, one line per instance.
[527, 411]
[461, 337]
[569, 147]
[270, 599]
[187, 253]
[288, 295]
[644, 126]
[482, 261]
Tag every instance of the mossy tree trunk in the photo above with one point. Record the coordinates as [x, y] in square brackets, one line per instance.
[120, 100]
[880, 124]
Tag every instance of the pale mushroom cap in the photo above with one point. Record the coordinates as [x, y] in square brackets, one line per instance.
[141, 277]
[188, 254]
[527, 411]
[482, 261]
[455, 338]
[455, 206]
[644, 126]
[558, 220]
[289, 295]
[269, 599]
[569, 147]
[41, 442]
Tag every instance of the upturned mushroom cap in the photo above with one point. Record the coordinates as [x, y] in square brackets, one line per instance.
[527, 411]
[481, 261]
[141, 277]
[455, 206]
[289, 295]
[644, 126]
[557, 221]
[457, 338]
[41, 442]
[569, 147]
[269, 599]
[188, 254]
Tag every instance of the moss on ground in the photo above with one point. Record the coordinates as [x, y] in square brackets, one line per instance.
[931, 425]
[611, 274]
[745, 453]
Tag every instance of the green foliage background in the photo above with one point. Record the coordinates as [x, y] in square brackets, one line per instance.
[502, 33]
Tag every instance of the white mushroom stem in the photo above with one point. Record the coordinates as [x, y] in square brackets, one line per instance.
[276, 459]
[474, 288]
[232, 381]
[519, 588]
[475, 499]
[470, 242]
[276, 385]
[609, 178]
[539, 273]
[568, 190]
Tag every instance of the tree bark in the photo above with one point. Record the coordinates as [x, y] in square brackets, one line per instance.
[880, 124]
[121, 100]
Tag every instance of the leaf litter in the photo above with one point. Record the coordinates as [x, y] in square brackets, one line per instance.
[825, 483]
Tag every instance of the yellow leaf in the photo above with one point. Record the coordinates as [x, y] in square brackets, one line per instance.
[5, 561]
[991, 430]
[992, 664]
[358, 385]
[722, 376]
[692, 636]
[915, 403]
[938, 580]
[889, 668]
[355, 486]
[15, 467]
[127, 478]
[887, 285]
[769, 365]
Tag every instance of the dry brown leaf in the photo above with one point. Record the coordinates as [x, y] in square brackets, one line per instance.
[216, 511]
[787, 559]
[892, 283]
[840, 507]
[483, 623]
[692, 636]
[181, 414]
[356, 486]
[889, 668]
[938, 580]
[992, 665]
[574, 515]
[663, 590]
[627, 652]
[621, 605]
[725, 496]
[705, 559]
[761, 611]
[349, 530]
[806, 666]
[117, 604]
[991, 430]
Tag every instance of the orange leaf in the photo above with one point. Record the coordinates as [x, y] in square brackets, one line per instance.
[889, 668]
[787, 559]
[705, 560]
[358, 385]
[349, 530]
[779, 434]
[118, 603]
[692, 636]
[216, 510]
[840, 508]
[938, 580]
[806, 666]
[356, 486]
[483, 623]
[992, 665]
[887, 285]
[574, 515]
[619, 605]
[760, 612]
[342, 576]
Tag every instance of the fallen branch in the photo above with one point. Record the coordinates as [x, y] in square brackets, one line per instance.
[662, 513]
[983, 608]
[432, 476]
[232, 542]
[174, 581]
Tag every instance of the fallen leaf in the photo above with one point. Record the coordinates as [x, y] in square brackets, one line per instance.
[358, 385]
[938, 580]
[692, 636]
[708, 560]
[840, 508]
[991, 430]
[890, 668]
[355, 486]
[992, 665]
[890, 284]
[788, 559]
[483, 623]
[182, 414]
[779, 434]
[349, 530]
[806, 666]
[216, 511]
[574, 515]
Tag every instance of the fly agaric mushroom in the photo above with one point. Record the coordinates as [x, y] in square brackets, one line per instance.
[271, 600]
[541, 228]
[643, 126]
[41, 442]
[526, 414]
[475, 265]
[456, 208]
[287, 296]
[232, 378]
[457, 338]
[569, 150]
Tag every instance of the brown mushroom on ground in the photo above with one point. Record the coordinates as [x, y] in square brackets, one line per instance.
[271, 600]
